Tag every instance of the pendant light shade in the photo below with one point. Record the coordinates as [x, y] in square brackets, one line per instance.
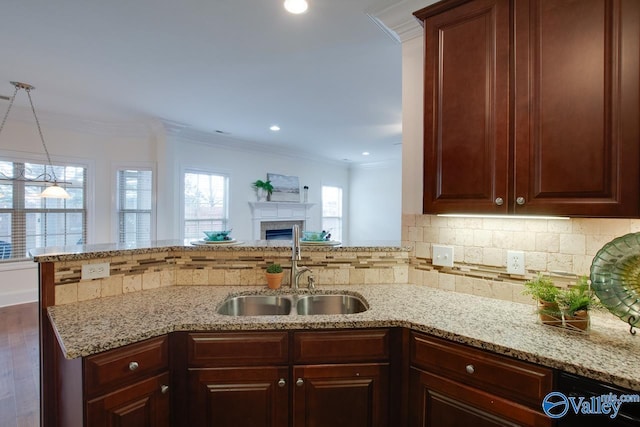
[296, 6]
[55, 192]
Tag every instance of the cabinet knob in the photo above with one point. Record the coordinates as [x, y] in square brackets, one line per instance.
[470, 369]
[282, 382]
[300, 382]
[520, 201]
[499, 201]
[133, 366]
[164, 389]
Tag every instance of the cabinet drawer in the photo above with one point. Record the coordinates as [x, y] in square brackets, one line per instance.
[341, 346]
[237, 348]
[504, 376]
[122, 365]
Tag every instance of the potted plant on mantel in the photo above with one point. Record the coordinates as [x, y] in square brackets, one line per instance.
[274, 276]
[263, 189]
[546, 294]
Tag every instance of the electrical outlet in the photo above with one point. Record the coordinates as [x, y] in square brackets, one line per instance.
[515, 262]
[443, 255]
[95, 271]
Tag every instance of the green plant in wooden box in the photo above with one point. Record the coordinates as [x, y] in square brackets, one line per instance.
[542, 289]
[575, 303]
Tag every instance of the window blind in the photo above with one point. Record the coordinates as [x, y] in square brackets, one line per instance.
[135, 205]
[28, 221]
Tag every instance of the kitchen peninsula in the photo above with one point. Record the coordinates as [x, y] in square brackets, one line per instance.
[154, 316]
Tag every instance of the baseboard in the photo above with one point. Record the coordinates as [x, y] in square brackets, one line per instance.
[22, 296]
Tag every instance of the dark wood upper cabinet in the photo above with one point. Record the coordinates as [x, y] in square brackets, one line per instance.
[532, 107]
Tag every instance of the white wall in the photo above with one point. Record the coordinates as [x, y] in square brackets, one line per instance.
[376, 201]
[103, 146]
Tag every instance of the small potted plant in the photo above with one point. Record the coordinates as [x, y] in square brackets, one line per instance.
[274, 276]
[575, 303]
[543, 290]
[263, 189]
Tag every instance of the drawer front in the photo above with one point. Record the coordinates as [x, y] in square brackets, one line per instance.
[238, 348]
[367, 345]
[122, 365]
[504, 376]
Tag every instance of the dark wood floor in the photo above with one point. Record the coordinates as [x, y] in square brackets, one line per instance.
[19, 366]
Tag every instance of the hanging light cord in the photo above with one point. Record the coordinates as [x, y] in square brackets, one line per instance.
[4, 120]
[28, 90]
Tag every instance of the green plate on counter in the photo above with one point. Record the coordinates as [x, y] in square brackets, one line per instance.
[615, 277]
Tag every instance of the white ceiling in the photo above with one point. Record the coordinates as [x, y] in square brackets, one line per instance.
[330, 78]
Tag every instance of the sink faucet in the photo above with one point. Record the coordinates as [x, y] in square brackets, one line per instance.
[296, 271]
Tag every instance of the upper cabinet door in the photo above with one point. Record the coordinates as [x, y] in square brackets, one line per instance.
[577, 107]
[466, 108]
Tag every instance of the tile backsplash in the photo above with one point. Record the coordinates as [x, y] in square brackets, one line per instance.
[563, 248]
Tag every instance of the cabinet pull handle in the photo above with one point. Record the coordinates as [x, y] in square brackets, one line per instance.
[470, 369]
[133, 366]
[282, 382]
[499, 201]
[520, 201]
[164, 389]
[300, 382]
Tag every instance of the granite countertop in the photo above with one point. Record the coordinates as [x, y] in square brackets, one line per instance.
[609, 353]
[87, 252]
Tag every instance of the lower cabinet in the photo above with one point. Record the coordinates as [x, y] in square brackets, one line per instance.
[452, 384]
[128, 386]
[252, 379]
[145, 403]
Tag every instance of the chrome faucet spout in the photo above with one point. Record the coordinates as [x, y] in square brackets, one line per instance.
[296, 271]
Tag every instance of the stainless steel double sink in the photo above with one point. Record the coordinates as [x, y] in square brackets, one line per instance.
[285, 305]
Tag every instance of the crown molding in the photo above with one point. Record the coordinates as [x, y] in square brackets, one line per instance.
[137, 129]
[397, 19]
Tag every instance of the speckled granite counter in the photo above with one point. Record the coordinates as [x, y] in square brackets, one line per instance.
[92, 252]
[609, 353]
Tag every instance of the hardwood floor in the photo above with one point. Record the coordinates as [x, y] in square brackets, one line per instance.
[19, 366]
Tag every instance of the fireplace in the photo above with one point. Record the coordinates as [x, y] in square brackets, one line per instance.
[280, 216]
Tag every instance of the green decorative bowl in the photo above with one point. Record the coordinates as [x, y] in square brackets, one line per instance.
[217, 236]
[615, 277]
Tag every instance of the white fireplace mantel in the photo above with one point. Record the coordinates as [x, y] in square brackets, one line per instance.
[278, 211]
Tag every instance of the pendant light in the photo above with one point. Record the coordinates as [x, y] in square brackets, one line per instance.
[53, 190]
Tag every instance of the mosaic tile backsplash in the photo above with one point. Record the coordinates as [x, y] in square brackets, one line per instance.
[563, 248]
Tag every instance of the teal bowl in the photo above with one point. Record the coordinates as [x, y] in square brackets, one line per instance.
[314, 236]
[217, 236]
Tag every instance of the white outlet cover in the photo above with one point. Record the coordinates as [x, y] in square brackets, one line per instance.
[443, 255]
[95, 271]
[515, 262]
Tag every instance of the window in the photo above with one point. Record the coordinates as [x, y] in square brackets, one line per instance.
[28, 221]
[205, 203]
[332, 211]
[135, 205]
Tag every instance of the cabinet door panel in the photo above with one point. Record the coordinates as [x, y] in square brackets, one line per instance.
[341, 395]
[577, 107]
[436, 401]
[141, 404]
[466, 108]
[238, 397]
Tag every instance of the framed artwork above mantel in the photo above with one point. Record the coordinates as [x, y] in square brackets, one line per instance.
[286, 188]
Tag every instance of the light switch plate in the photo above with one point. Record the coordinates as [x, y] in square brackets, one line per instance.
[95, 271]
[443, 255]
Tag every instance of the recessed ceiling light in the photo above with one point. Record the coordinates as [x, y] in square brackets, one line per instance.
[275, 128]
[296, 6]
[365, 153]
